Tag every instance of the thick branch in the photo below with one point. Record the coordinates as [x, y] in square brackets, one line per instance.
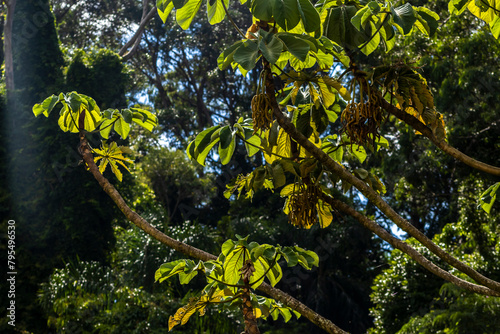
[443, 145]
[194, 252]
[407, 249]
[367, 191]
[135, 40]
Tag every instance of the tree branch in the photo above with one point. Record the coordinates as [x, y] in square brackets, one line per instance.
[194, 252]
[443, 145]
[135, 40]
[407, 249]
[367, 191]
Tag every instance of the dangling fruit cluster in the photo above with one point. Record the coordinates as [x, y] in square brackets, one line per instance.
[301, 205]
[261, 112]
[361, 121]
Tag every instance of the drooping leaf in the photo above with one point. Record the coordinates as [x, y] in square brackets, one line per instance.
[286, 13]
[295, 45]
[246, 54]
[270, 47]
[227, 56]
[404, 16]
[46, 106]
[227, 144]
[309, 15]
[185, 15]
[169, 269]
[428, 19]
[215, 10]
[143, 118]
[489, 197]
[233, 263]
[262, 9]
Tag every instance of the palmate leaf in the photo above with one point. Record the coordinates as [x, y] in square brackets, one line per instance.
[112, 154]
[76, 106]
[183, 314]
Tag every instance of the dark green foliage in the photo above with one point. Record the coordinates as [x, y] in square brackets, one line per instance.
[407, 295]
[101, 75]
[60, 212]
[458, 312]
[176, 182]
[121, 298]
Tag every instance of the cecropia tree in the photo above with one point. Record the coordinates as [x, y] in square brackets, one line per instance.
[305, 52]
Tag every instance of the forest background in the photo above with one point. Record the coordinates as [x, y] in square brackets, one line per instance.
[83, 268]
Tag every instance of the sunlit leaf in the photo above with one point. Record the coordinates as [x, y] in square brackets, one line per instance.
[111, 154]
[489, 197]
[186, 13]
[215, 10]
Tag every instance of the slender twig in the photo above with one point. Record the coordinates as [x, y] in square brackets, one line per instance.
[231, 19]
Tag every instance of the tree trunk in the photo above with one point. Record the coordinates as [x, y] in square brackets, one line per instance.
[248, 315]
[9, 62]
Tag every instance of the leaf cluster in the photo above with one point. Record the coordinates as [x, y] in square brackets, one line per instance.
[240, 266]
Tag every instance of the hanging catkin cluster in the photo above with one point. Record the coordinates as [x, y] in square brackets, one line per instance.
[361, 121]
[301, 205]
[261, 112]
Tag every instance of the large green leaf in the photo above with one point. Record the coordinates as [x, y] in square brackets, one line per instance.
[309, 15]
[270, 47]
[338, 27]
[141, 117]
[246, 55]
[226, 57]
[495, 27]
[262, 9]
[227, 144]
[215, 10]
[122, 127]
[233, 263]
[296, 45]
[286, 13]
[373, 40]
[169, 269]
[186, 13]
[428, 21]
[404, 16]
[199, 148]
